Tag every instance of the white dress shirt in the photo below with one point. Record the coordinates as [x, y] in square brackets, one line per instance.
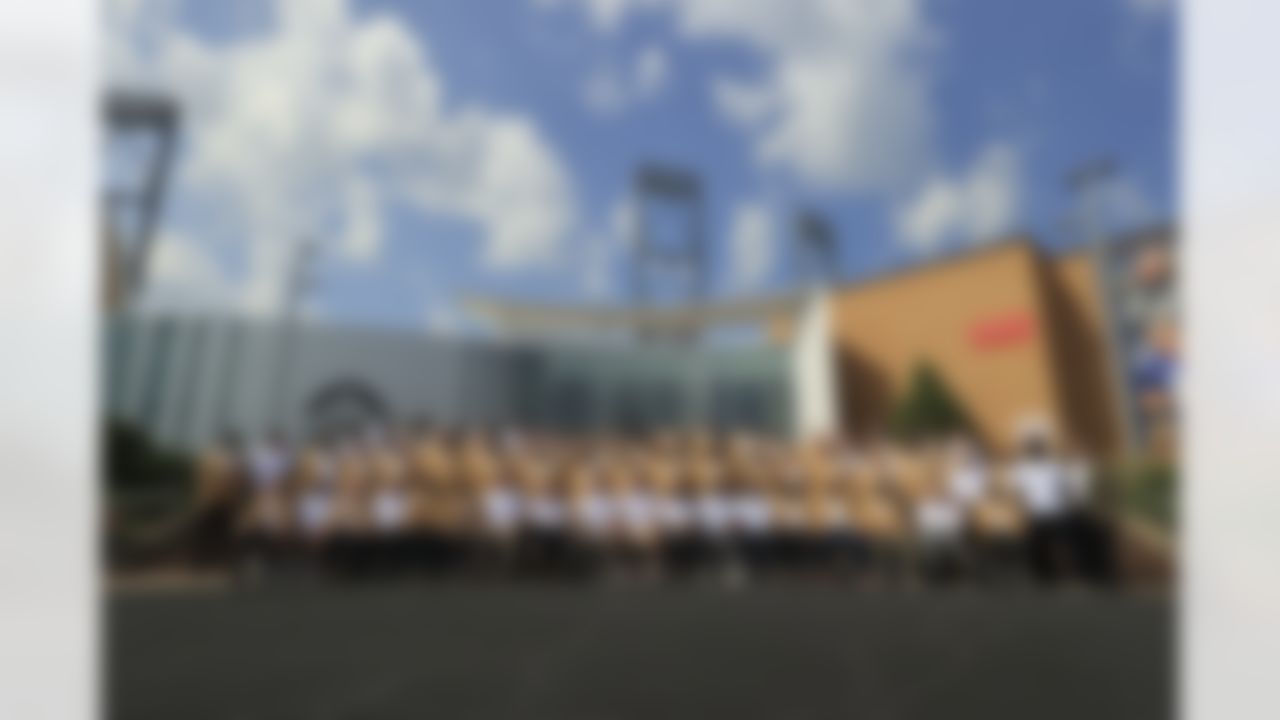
[268, 466]
[967, 483]
[713, 514]
[545, 512]
[751, 514]
[675, 513]
[595, 514]
[390, 509]
[1041, 485]
[501, 509]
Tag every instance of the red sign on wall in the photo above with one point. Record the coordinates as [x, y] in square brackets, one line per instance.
[1003, 330]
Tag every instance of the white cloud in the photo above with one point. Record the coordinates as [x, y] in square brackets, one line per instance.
[363, 238]
[183, 278]
[317, 123]
[843, 99]
[599, 255]
[624, 220]
[597, 266]
[753, 245]
[651, 70]
[605, 15]
[608, 91]
[604, 92]
[745, 104]
[971, 207]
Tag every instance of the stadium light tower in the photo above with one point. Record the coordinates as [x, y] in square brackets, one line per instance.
[683, 257]
[817, 248]
[126, 114]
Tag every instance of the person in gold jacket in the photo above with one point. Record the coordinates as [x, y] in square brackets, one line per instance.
[349, 536]
[219, 490]
[877, 511]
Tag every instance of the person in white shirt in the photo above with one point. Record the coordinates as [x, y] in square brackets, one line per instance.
[641, 527]
[675, 511]
[940, 526]
[968, 478]
[314, 502]
[315, 508]
[1089, 534]
[268, 464]
[592, 515]
[943, 517]
[500, 510]
[713, 519]
[752, 520]
[218, 499]
[268, 514]
[1041, 486]
[842, 549]
[546, 517]
[348, 541]
[389, 516]
[789, 520]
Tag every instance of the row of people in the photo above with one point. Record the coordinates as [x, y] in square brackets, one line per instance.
[673, 505]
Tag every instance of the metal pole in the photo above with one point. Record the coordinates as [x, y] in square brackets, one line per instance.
[687, 263]
[127, 111]
[816, 248]
[289, 330]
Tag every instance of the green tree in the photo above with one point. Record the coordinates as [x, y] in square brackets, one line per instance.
[928, 409]
[133, 460]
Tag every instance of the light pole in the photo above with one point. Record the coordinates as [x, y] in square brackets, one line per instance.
[817, 248]
[134, 112]
[303, 257]
[686, 257]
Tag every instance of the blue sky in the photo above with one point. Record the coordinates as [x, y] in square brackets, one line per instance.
[439, 148]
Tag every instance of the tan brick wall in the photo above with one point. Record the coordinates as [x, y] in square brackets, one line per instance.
[884, 327]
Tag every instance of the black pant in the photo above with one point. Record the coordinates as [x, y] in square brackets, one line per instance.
[1091, 546]
[942, 562]
[999, 558]
[269, 550]
[755, 551]
[543, 551]
[347, 554]
[793, 550]
[1048, 541]
[211, 535]
[680, 554]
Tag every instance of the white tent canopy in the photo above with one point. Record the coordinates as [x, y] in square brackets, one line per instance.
[520, 316]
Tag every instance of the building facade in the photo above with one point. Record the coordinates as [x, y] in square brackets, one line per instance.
[184, 380]
[1019, 336]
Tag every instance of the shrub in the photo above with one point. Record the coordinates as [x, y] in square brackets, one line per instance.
[928, 409]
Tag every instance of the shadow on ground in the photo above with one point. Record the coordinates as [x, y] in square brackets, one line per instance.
[418, 651]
